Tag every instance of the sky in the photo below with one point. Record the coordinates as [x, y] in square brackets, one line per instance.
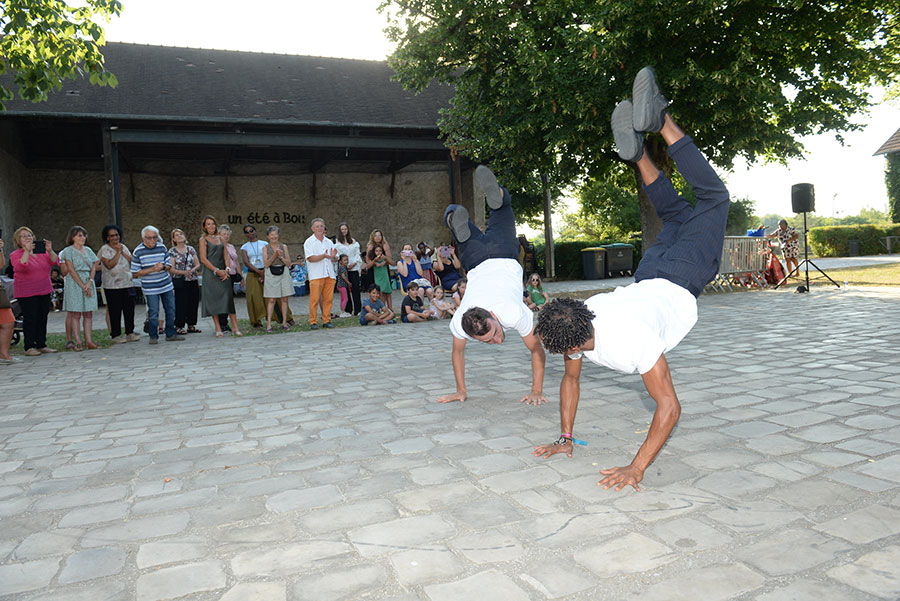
[846, 178]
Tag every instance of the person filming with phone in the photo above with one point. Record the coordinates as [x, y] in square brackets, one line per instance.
[32, 262]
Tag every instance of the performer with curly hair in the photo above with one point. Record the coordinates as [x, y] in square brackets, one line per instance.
[632, 328]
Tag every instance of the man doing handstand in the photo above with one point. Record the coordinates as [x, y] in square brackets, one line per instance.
[632, 328]
[493, 299]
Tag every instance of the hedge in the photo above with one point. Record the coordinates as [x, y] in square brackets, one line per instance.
[568, 256]
[834, 241]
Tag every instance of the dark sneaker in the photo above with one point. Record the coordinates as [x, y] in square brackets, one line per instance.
[313, 326]
[328, 325]
[486, 186]
[649, 103]
[629, 143]
[174, 338]
[458, 220]
[154, 341]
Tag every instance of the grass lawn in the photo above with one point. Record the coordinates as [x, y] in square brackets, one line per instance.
[873, 275]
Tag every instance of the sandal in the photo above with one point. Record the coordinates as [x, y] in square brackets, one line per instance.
[77, 348]
[236, 333]
[91, 345]
[181, 331]
[268, 330]
[193, 330]
[220, 334]
[286, 328]
[69, 345]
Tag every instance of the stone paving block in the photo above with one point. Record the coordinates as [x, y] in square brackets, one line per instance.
[157, 487]
[489, 546]
[628, 554]
[501, 587]
[525, 479]
[134, 530]
[91, 564]
[792, 551]
[276, 531]
[309, 498]
[752, 429]
[178, 581]
[861, 481]
[814, 493]
[654, 505]
[827, 433]
[457, 437]
[886, 469]
[171, 550]
[193, 498]
[754, 516]
[382, 484]
[256, 591]
[16, 506]
[398, 535]
[568, 530]
[266, 486]
[351, 515]
[867, 446]
[409, 445]
[334, 475]
[81, 498]
[711, 583]
[79, 469]
[228, 474]
[833, 458]
[734, 483]
[424, 565]
[689, 535]
[100, 590]
[95, 514]
[28, 576]
[786, 471]
[436, 473]
[864, 525]
[287, 559]
[722, 459]
[491, 464]
[875, 573]
[340, 584]
[540, 501]
[42, 544]
[554, 579]
[435, 497]
[872, 422]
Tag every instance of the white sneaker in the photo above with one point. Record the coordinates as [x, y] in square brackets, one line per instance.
[345, 314]
[118, 340]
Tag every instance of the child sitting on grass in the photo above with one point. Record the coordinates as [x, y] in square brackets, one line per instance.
[374, 310]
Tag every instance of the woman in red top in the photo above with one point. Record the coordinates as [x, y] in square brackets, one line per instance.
[32, 288]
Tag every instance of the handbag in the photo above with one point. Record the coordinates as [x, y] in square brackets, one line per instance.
[4, 299]
[276, 269]
[236, 278]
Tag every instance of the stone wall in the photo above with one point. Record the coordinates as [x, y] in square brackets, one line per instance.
[12, 185]
[57, 199]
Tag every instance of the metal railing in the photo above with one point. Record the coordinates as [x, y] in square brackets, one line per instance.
[743, 262]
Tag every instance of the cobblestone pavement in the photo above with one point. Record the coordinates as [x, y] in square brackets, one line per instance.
[277, 469]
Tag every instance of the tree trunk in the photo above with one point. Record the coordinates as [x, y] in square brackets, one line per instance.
[651, 224]
[549, 254]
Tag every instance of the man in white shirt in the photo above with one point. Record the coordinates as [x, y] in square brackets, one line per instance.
[321, 256]
[493, 298]
[632, 329]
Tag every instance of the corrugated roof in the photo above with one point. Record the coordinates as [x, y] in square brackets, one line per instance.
[892, 145]
[167, 83]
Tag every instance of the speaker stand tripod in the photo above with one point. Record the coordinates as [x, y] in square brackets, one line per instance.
[805, 262]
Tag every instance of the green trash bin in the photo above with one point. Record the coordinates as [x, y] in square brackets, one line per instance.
[619, 259]
[593, 260]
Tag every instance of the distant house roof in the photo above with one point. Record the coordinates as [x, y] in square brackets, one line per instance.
[162, 83]
[892, 144]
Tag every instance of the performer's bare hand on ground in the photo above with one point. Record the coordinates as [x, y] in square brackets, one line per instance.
[549, 450]
[621, 477]
[534, 398]
[449, 398]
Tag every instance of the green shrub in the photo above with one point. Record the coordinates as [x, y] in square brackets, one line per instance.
[834, 241]
[569, 264]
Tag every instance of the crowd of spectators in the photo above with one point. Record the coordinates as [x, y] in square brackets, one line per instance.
[181, 283]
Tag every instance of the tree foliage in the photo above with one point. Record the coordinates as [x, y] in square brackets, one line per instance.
[44, 42]
[536, 80]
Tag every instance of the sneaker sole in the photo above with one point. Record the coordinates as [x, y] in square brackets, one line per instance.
[629, 143]
[649, 103]
[486, 185]
[459, 224]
